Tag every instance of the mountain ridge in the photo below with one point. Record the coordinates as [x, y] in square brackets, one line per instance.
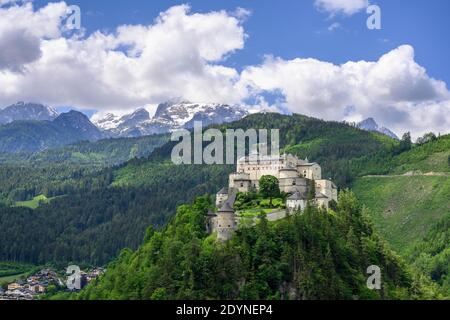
[35, 135]
[169, 116]
[21, 111]
[370, 124]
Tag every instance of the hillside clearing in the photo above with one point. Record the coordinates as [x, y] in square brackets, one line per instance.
[403, 208]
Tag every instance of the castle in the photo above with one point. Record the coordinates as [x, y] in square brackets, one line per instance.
[295, 178]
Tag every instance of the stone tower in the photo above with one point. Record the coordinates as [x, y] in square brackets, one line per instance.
[225, 222]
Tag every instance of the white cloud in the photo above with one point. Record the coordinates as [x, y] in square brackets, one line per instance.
[345, 7]
[334, 26]
[12, 2]
[182, 54]
[179, 55]
[22, 30]
[395, 89]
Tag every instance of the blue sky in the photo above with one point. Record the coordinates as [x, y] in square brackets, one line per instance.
[314, 57]
[294, 28]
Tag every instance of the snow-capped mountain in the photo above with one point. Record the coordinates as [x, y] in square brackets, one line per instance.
[27, 111]
[371, 125]
[169, 116]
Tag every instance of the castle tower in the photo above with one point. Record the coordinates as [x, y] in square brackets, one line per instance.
[290, 181]
[211, 218]
[221, 197]
[225, 222]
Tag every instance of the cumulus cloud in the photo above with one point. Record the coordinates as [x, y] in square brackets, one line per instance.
[179, 55]
[345, 7]
[18, 48]
[395, 89]
[22, 30]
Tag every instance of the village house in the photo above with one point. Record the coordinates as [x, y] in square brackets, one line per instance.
[14, 286]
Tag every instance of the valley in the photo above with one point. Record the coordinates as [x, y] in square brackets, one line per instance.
[105, 194]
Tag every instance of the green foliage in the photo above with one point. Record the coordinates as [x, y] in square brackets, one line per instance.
[315, 255]
[97, 212]
[13, 268]
[404, 208]
[96, 221]
[311, 190]
[405, 143]
[269, 187]
[429, 157]
[34, 136]
[107, 152]
[34, 203]
[13, 271]
[432, 255]
[253, 201]
[427, 137]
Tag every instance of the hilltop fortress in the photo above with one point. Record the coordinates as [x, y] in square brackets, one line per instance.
[295, 177]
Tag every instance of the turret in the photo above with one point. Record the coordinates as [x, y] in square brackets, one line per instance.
[225, 222]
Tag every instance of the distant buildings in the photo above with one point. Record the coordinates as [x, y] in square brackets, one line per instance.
[38, 283]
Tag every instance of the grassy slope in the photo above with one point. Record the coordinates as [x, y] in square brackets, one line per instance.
[12, 278]
[405, 207]
[34, 203]
[431, 157]
[10, 271]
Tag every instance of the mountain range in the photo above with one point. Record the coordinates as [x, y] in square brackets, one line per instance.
[32, 127]
[169, 116]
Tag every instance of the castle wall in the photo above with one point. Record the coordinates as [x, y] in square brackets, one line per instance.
[327, 188]
[240, 181]
[293, 184]
[310, 171]
[257, 167]
[295, 205]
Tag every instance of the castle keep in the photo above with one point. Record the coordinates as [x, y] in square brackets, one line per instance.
[295, 177]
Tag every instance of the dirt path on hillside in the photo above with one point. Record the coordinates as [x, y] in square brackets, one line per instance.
[412, 174]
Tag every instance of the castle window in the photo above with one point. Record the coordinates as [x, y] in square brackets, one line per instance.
[242, 185]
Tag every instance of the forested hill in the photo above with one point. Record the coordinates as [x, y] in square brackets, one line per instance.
[102, 153]
[315, 255]
[410, 204]
[93, 215]
[334, 145]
